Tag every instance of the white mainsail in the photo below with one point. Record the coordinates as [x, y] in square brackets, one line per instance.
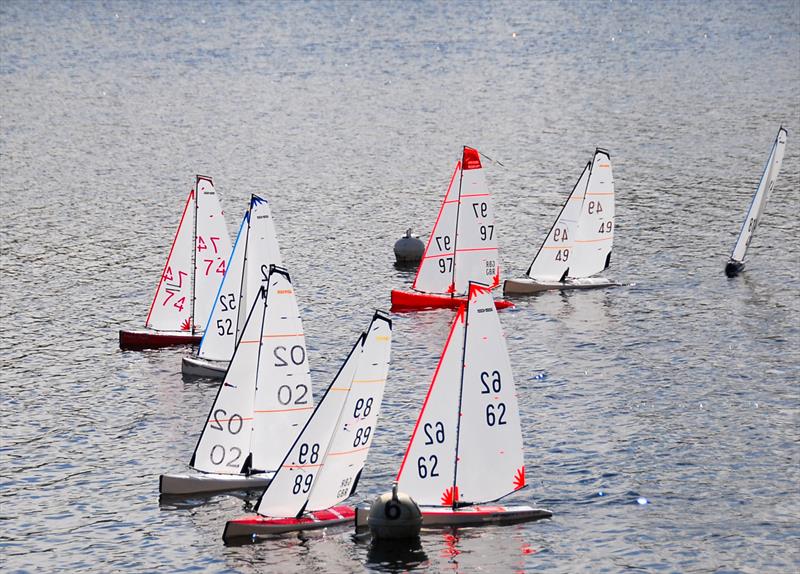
[477, 456]
[336, 421]
[283, 395]
[552, 260]
[595, 235]
[212, 248]
[761, 196]
[476, 239]
[463, 243]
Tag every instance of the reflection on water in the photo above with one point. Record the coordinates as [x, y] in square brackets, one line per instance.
[680, 389]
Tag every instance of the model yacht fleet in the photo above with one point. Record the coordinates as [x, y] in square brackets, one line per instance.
[267, 430]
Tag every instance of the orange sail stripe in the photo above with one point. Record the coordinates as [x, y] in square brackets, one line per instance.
[343, 452]
[283, 410]
[593, 240]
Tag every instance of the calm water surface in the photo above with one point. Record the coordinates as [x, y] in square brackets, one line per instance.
[681, 389]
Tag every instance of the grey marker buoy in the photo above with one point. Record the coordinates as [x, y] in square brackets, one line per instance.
[409, 248]
[394, 515]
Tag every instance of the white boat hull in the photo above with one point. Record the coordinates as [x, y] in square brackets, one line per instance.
[202, 483]
[437, 516]
[196, 367]
[525, 285]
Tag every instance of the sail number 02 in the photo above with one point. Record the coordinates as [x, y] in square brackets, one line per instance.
[234, 426]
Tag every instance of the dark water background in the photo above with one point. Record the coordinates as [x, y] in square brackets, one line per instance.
[349, 116]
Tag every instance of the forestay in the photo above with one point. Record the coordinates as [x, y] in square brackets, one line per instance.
[213, 248]
[552, 260]
[763, 191]
[224, 444]
[171, 309]
[283, 395]
[592, 249]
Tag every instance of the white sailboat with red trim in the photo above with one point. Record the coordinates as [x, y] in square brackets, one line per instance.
[323, 466]
[462, 246]
[191, 276]
[578, 246]
[255, 249]
[465, 453]
[261, 405]
[735, 264]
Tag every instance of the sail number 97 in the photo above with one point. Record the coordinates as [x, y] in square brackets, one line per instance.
[443, 242]
[446, 265]
[480, 209]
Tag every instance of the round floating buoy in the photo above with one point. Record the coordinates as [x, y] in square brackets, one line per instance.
[409, 248]
[394, 515]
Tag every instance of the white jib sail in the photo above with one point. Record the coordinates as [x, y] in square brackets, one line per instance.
[763, 191]
[435, 272]
[283, 398]
[428, 469]
[476, 242]
[355, 429]
[592, 249]
[171, 309]
[219, 337]
[490, 460]
[213, 249]
[224, 444]
[262, 249]
[287, 494]
[552, 260]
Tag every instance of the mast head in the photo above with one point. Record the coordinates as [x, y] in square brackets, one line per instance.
[471, 159]
[256, 200]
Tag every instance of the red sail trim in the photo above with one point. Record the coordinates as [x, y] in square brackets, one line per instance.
[476, 288]
[472, 159]
[460, 314]
[166, 263]
[519, 478]
[436, 224]
[450, 496]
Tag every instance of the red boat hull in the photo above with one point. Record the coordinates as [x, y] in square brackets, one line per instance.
[147, 339]
[254, 525]
[410, 301]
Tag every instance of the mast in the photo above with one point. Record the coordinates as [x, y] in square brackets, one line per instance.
[452, 288]
[194, 250]
[243, 282]
[460, 396]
